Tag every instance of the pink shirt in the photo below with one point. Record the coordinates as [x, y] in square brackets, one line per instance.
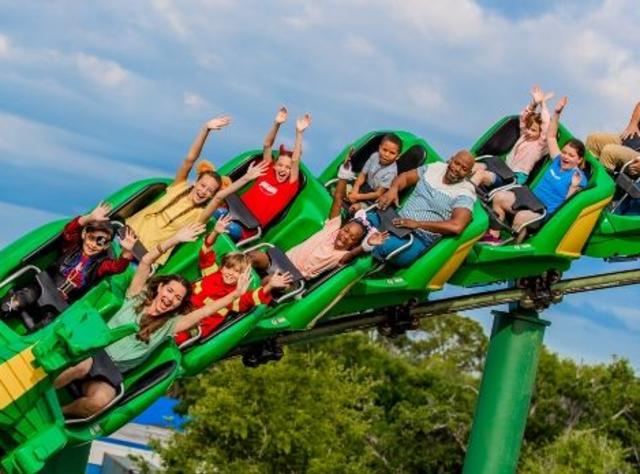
[526, 153]
[317, 254]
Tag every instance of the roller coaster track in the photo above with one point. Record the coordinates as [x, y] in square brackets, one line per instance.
[371, 319]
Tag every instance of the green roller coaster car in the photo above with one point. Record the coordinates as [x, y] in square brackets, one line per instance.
[561, 237]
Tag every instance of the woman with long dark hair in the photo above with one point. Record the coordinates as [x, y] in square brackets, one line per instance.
[158, 306]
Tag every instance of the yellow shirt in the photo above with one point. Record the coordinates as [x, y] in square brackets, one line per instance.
[154, 227]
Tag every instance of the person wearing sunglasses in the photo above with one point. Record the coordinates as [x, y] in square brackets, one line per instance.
[84, 260]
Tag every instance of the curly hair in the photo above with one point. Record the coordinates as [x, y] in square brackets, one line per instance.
[150, 324]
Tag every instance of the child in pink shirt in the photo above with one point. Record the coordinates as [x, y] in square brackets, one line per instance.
[333, 245]
[530, 147]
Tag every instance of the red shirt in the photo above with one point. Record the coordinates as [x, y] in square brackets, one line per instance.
[267, 197]
[210, 288]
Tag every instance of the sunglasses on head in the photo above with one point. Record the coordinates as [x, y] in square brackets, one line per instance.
[99, 240]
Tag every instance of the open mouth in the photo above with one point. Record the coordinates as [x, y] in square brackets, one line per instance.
[165, 304]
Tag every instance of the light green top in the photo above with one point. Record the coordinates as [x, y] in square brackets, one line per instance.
[129, 352]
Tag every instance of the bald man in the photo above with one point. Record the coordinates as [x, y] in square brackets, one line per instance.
[441, 204]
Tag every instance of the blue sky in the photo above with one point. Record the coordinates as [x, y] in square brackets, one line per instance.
[94, 95]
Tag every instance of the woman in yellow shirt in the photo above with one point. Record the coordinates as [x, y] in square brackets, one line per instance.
[184, 203]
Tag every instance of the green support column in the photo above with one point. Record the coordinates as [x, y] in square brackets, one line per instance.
[505, 393]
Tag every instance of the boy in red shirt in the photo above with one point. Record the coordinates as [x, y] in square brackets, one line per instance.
[273, 191]
[219, 281]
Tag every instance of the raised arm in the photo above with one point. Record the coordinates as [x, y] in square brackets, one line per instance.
[196, 147]
[255, 170]
[460, 218]
[100, 213]
[632, 128]
[281, 117]
[301, 125]
[400, 182]
[188, 233]
[552, 132]
[191, 319]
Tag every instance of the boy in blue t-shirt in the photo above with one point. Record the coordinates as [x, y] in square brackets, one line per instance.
[374, 179]
[561, 180]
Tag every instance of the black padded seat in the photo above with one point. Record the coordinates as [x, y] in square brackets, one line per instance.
[411, 159]
[502, 140]
[525, 199]
[241, 213]
[630, 186]
[363, 153]
[139, 250]
[386, 222]
[280, 262]
[499, 167]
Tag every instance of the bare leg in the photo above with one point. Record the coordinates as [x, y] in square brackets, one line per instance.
[502, 204]
[521, 218]
[73, 373]
[98, 394]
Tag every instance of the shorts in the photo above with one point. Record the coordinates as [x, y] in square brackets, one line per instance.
[103, 368]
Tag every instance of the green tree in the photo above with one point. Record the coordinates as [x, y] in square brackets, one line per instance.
[578, 452]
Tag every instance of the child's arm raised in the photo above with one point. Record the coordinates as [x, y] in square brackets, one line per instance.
[188, 233]
[191, 319]
[552, 132]
[255, 170]
[281, 117]
[100, 213]
[301, 125]
[196, 147]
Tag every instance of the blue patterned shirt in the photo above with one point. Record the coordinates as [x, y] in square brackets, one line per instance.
[433, 200]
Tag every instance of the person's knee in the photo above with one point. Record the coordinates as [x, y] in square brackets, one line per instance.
[99, 400]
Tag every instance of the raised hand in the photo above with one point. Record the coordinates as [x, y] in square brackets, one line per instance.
[388, 198]
[129, 240]
[222, 224]
[218, 123]
[630, 132]
[100, 213]
[281, 116]
[257, 169]
[537, 94]
[189, 232]
[377, 238]
[562, 103]
[243, 282]
[280, 280]
[303, 123]
[576, 179]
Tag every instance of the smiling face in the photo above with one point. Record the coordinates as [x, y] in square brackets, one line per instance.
[459, 167]
[95, 242]
[169, 297]
[230, 274]
[282, 168]
[348, 236]
[388, 152]
[204, 189]
[569, 157]
[532, 132]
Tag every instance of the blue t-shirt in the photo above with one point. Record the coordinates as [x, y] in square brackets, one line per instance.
[552, 189]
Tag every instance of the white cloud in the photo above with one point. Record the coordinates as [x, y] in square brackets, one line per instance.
[360, 46]
[101, 71]
[171, 15]
[4, 46]
[51, 149]
[193, 100]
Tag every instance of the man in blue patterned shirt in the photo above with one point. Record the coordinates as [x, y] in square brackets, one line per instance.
[441, 204]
